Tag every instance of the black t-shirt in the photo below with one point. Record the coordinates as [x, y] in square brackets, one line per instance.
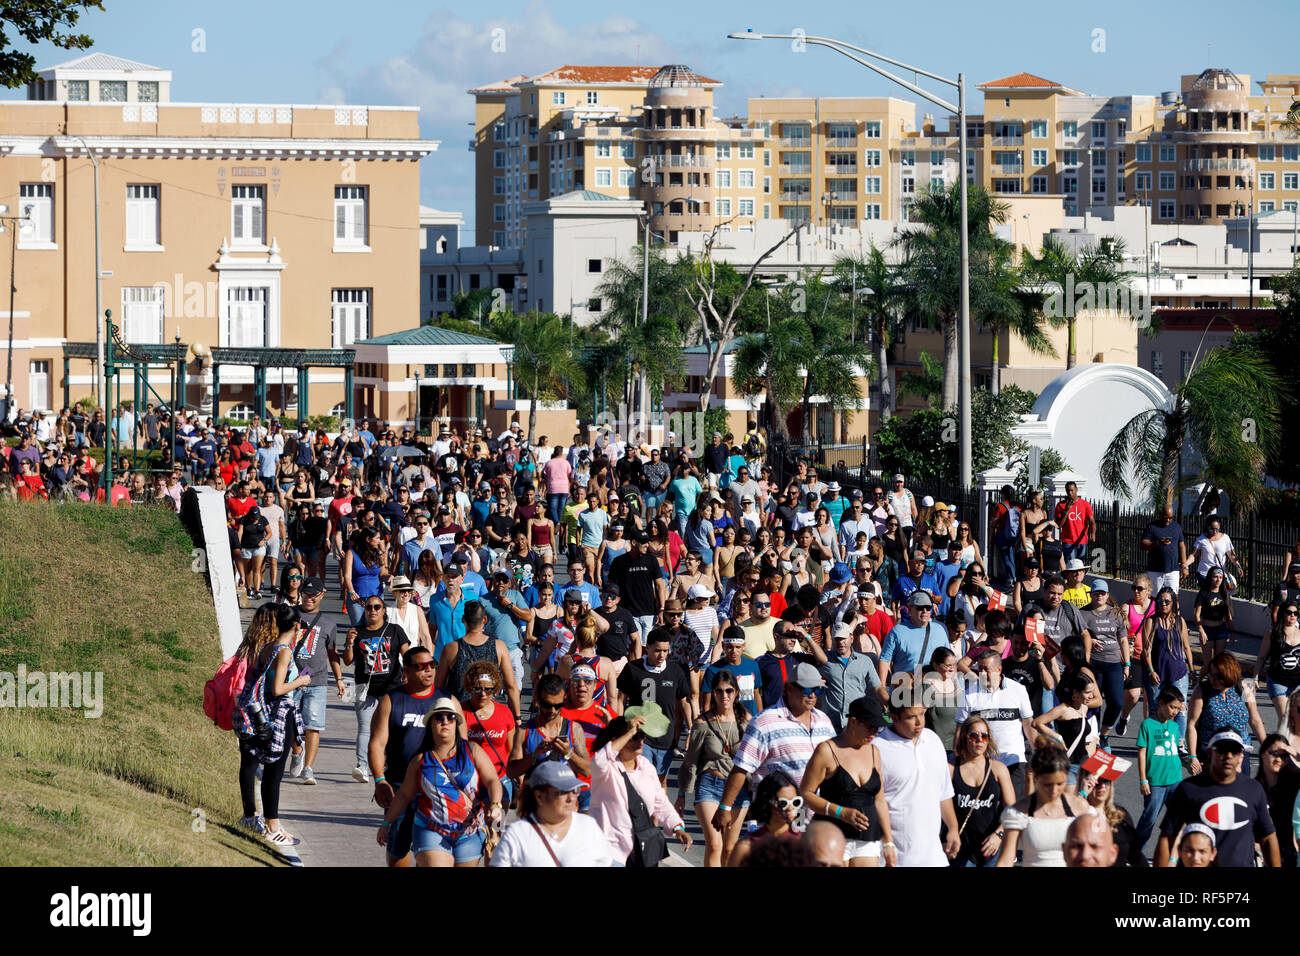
[1164, 557]
[665, 688]
[1237, 812]
[785, 517]
[254, 530]
[617, 641]
[636, 577]
[1026, 673]
[501, 524]
[379, 657]
[628, 471]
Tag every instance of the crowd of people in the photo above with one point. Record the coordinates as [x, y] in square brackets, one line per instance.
[543, 631]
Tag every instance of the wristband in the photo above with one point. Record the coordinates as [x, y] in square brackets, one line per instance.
[1144, 782]
[381, 780]
[838, 811]
[725, 807]
[889, 845]
[680, 828]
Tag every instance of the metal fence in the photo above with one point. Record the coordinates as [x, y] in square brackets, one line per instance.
[1262, 549]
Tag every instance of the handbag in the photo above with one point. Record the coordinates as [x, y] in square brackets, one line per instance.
[649, 845]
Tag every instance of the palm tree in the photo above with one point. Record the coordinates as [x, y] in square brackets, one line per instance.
[765, 364]
[1226, 407]
[1096, 268]
[545, 361]
[871, 271]
[1004, 306]
[926, 384]
[931, 266]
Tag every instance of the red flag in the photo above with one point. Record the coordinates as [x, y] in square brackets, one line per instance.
[1107, 764]
[997, 601]
[1036, 630]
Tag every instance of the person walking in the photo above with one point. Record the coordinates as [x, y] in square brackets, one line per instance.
[317, 654]
[1166, 651]
[1278, 661]
[549, 831]
[1167, 551]
[708, 762]
[917, 785]
[376, 646]
[982, 789]
[1037, 823]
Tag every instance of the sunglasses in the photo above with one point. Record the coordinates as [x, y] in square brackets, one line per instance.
[795, 803]
[374, 607]
[1138, 587]
[444, 718]
[977, 735]
[423, 666]
[762, 603]
[724, 690]
[295, 577]
[810, 691]
[545, 705]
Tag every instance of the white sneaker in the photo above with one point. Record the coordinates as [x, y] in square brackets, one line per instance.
[360, 774]
[296, 762]
[308, 778]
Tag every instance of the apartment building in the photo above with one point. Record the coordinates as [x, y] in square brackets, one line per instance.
[257, 227]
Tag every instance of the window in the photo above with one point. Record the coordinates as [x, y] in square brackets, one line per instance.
[745, 207]
[498, 186]
[1099, 131]
[1157, 364]
[1290, 154]
[871, 129]
[767, 157]
[246, 317]
[1142, 152]
[724, 207]
[78, 91]
[1167, 181]
[1166, 209]
[1038, 129]
[1038, 184]
[40, 198]
[557, 99]
[767, 184]
[142, 314]
[1038, 157]
[1291, 180]
[871, 157]
[603, 150]
[1185, 361]
[1098, 157]
[627, 149]
[594, 305]
[871, 210]
[605, 176]
[724, 179]
[1006, 185]
[1069, 157]
[745, 179]
[1099, 184]
[142, 215]
[1168, 154]
[499, 213]
[1266, 181]
[352, 315]
[498, 159]
[1069, 128]
[1267, 154]
[146, 91]
[441, 294]
[592, 97]
[627, 176]
[498, 239]
[936, 157]
[745, 151]
[907, 157]
[349, 215]
[908, 186]
[38, 391]
[112, 91]
[724, 151]
[871, 184]
[936, 183]
[1266, 205]
[1141, 182]
[499, 132]
[1070, 183]
[593, 266]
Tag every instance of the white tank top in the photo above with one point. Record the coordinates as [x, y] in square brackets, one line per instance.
[901, 506]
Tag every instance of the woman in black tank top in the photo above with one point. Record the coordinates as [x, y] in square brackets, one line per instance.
[982, 789]
[842, 784]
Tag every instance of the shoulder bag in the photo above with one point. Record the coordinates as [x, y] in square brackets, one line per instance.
[649, 845]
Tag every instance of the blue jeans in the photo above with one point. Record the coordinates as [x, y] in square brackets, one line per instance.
[1151, 807]
[1110, 678]
[1007, 553]
[653, 499]
[1153, 691]
[1071, 551]
[661, 759]
[644, 622]
[555, 505]
[679, 521]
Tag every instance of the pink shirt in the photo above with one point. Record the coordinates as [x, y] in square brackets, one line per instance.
[556, 473]
[609, 799]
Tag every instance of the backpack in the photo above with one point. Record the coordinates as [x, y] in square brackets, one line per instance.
[221, 693]
[753, 447]
[1011, 529]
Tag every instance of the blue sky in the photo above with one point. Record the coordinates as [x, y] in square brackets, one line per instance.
[416, 54]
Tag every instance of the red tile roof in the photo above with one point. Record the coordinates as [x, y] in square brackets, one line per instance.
[604, 74]
[504, 86]
[1020, 81]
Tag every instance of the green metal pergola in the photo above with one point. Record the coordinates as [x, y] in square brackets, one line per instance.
[262, 359]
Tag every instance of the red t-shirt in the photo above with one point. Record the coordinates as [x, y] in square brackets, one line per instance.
[238, 507]
[878, 624]
[1073, 520]
[493, 734]
[337, 509]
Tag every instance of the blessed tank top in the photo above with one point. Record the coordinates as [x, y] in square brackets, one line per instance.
[978, 809]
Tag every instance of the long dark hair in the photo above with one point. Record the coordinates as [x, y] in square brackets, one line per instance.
[361, 545]
[776, 781]
[612, 731]
[725, 678]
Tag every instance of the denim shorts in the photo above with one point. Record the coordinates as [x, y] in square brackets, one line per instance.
[661, 760]
[463, 849]
[1279, 690]
[709, 788]
[249, 553]
[312, 705]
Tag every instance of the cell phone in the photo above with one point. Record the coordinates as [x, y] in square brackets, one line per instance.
[305, 672]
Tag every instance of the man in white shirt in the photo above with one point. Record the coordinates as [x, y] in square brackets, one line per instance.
[855, 519]
[807, 518]
[917, 782]
[1004, 705]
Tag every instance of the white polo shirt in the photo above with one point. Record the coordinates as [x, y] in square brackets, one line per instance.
[916, 779]
[1003, 709]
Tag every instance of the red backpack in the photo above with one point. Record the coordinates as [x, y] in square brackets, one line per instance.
[221, 693]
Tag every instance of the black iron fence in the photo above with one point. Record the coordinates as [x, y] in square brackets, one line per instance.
[1262, 549]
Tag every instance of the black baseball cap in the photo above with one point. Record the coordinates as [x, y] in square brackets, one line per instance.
[869, 711]
[313, 586]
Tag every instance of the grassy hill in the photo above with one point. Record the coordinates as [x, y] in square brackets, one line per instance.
[86, 588]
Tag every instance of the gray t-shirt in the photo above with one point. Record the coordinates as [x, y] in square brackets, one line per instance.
[314, 643]
[741, 489]
[1104, 626]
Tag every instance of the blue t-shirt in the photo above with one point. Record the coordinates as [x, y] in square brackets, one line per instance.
[448, 622]
[266, 459]
[944, 572]
[749, 681]
[593, 523]
[684, 491]
[905, 585]
[500, 623]
[902, 646]
[412, 550]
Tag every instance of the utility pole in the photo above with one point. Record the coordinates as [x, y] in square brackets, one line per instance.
[99, 289]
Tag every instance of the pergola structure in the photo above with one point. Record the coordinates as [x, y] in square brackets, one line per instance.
[301, 359]
[140, 359]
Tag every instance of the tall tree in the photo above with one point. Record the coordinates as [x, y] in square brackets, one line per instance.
[871, 271]
[766, 364]
[39, 21]
[545, 361]
[931, 266]
[1075, 281]
[1226, 408]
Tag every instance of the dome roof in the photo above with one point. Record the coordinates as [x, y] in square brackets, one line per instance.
[674, 75]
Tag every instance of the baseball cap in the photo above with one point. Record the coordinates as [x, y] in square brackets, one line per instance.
[346, 482]
[919, 599]
[940, 506]
[573, 594]
[856, 494]
[501, 575]
[1202, 829]
[698, 591]
[484, 486]
[640, 537]
[843, 630]
[954, 546]
[1031, 562]
[554, 773]
[807, 676]
[313, 586]
[869, 711]
[1098, 584]
[444, 510]
[927, 502]
[811, 496]
[453, 570]
[899, 477]
[1293, 568]
[582, 672]
[1228, 738]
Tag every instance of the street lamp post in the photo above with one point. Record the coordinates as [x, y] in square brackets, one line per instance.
[14, 224]
[849, 50]
[99, 287]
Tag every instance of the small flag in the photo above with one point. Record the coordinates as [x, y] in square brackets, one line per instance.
[1107, 764]
[997, 601]
[1036, 630]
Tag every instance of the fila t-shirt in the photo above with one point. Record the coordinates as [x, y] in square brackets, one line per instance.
[1237, 812]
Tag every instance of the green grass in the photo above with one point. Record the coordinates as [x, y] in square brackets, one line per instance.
[86, 588]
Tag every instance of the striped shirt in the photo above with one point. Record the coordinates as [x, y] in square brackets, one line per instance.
[775, 740]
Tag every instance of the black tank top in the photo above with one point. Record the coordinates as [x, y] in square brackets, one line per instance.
[977, 812]
[405, 732]
[842, 789]
[466, 655]
[1075, 732]
[1284, 663]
